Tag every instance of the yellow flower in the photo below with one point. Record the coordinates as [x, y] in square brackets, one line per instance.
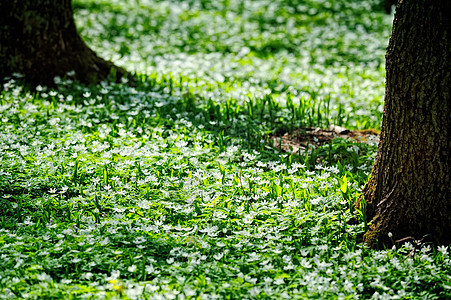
[117, 286]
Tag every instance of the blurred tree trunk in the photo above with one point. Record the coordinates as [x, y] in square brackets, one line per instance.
[408, 193]
[38, 39]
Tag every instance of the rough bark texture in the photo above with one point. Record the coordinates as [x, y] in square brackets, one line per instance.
[408, 193]
[38, 39]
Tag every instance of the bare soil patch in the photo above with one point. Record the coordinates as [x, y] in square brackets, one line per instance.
[300, 139]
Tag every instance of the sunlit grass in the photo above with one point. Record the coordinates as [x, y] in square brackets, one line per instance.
[171, 189]
[316, 50]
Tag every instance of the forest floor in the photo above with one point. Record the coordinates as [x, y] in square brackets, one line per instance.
[228, 171]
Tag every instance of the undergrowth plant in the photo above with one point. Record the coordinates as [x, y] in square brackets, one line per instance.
[170, 187]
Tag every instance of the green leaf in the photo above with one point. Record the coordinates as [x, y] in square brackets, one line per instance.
[344, 185]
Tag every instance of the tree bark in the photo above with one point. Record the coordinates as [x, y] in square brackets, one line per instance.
[408, 193]
[38, 39]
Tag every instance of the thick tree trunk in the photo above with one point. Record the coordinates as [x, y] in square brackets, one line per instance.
[38, 39]
[408, 193]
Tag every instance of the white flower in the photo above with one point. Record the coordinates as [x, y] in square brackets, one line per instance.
[54, 121]
[132, 268]
[87, 276]
[218, 256]
[426, 248]
[115, 274]
[139, 240]
[443, 250]
[66, 281]
[144, 204]
[250, 279]
[44, 277]
[105, 241]
[150, 269]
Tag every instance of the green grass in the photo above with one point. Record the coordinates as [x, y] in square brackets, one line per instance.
[171, 190]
